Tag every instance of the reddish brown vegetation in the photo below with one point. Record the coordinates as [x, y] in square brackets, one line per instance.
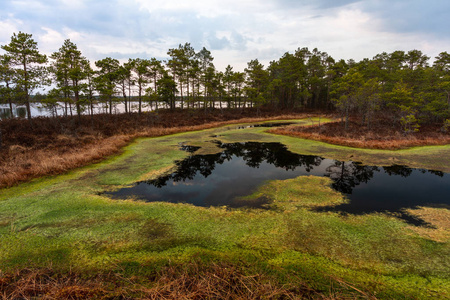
[381, 135]
[190, 281]
[55, 145]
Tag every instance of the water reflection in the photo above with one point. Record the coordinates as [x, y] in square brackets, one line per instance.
[18, 111]
[5, 113]
[219, 179]
[347, 175]
[252, 154]
[269, 125]
[390, 190]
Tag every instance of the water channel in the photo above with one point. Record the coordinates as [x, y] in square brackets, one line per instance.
[220, 179]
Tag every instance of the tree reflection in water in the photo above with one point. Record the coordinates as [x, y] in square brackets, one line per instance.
[219, 179]
[348, 175]
[253, 155]
[393, 190]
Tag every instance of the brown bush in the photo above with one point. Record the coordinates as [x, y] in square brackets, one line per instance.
[381, 135]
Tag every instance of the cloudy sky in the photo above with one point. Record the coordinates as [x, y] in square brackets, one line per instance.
[235, 31]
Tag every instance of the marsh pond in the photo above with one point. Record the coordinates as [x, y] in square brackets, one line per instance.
[221, 179]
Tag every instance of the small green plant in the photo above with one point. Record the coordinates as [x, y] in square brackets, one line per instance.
[446, 126]
[409, 121]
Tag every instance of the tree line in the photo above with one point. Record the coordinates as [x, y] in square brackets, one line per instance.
[400, 87]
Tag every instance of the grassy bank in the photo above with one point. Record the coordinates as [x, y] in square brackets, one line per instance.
[61, 238]
[50, 146]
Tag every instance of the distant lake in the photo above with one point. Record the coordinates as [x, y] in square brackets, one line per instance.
[39, 110]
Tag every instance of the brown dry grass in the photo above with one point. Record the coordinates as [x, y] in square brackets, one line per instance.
[381, 136]
[190, 281]
[25, 164]
[439, 218]
[54, 146]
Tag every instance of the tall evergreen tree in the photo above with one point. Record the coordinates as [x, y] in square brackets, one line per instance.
[155, 72]
[89, 86]
[228, 84]
[106, 79]
[177, 65]
[68, 67]
[187, 64]
[167, 89]
[206, 68]
[25, 57]
[124, 78]
[141, 69]
[442, 67]
[257, 80]
[7, 77]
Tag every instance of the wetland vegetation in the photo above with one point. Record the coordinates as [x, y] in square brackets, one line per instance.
[62, 236]
[222, 179]
[328, 217]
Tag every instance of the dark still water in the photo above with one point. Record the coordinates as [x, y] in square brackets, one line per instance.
[219, 179]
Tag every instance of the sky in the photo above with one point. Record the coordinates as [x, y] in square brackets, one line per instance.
[235, 31]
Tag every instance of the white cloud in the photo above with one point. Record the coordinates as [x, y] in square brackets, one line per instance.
[207, 8]
[235, 31]
[51, 40]
[5, 33]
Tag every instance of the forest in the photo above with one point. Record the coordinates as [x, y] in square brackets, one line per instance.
[402, 88]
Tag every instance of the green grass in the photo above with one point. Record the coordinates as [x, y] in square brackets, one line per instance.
[65, 224]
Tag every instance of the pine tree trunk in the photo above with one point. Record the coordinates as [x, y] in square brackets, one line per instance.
[10, 102]
[181, 90]
[140, 99]
[187, 91]
[28, 110]
[346, 118]
[124, 93]
[26, 93]
[11, 109]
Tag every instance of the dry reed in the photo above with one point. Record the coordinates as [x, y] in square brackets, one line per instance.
[381, 137]
[190, 281]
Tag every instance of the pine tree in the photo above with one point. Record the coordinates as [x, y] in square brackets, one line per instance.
[25, 57]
